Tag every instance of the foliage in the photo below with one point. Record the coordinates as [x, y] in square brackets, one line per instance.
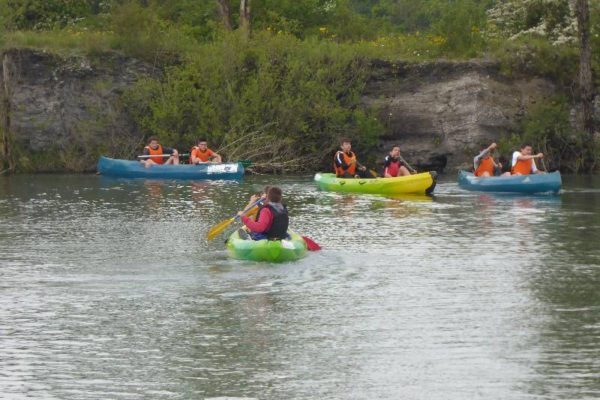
[551, 19]
[276, 91]
[548, 129]
[536, 56]
[43, 15]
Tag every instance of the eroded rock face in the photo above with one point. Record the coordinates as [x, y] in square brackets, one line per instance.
[441, 114]
[68, 105]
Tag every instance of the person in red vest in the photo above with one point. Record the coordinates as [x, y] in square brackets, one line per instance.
[158, 154]
[523, 161]
[394, 165]
[272, 219]
[485, 165]
[345, 164]
[202, 154]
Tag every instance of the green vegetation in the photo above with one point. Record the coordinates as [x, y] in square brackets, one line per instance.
[547, 128]
[284, 93]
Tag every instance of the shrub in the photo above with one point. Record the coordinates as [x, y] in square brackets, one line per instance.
[271, 98]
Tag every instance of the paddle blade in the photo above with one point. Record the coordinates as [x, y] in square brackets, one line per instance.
[311, 245]
[219, 228]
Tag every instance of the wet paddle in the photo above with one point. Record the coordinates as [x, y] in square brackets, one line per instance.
[217, 229]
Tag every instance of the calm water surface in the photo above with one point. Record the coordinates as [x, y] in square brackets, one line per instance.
[109, 290]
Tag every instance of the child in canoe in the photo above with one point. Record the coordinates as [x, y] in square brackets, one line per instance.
[484, 164]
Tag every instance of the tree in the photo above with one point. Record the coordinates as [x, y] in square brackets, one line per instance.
[585, 67]
[245, 16]
[225, 13]
[224, 8]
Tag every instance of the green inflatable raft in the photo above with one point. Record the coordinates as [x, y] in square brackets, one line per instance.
[266, 250]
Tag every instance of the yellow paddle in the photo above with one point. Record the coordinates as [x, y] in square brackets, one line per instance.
[221, 226]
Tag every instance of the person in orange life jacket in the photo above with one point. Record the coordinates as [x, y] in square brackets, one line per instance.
[272, 219]
[155, 149]
[523, 162]
[202, 154]
[345, 164]
[484, 164]
[393, 166]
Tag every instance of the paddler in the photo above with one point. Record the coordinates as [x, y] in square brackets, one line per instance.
[158, 154]
[485, 165]
[523, 161]
[394, 165]
[202, 154]
[271, 220]
[345, 164]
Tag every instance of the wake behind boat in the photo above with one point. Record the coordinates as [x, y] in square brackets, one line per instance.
[533, 183]
[134, 169]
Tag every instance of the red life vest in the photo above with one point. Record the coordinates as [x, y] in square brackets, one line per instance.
[348, 160]
[393, 169]
[487, 164]
[152, 152]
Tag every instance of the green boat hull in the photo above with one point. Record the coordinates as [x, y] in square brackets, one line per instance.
[266, 250]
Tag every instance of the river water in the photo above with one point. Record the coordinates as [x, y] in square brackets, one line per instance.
[109, 290]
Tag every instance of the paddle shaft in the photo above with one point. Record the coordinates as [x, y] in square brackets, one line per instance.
[221, 226]
[162, 155]
[407, 164]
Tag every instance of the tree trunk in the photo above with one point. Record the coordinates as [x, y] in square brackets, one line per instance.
[245, 16]
[225, 13]
[585, 74]
[5, 113]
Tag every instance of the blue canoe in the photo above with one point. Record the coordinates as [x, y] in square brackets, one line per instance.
[134, 169]
[534, 183]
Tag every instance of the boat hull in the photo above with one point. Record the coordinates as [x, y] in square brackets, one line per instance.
[133, 169]
[422, 183]
[266, 250]
[535, 183]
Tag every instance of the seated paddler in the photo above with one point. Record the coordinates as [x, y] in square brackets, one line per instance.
[523, 161]
[485, 165]
[202, 154]
[155, 154]
[394, 165]
[345, 164]
[271, 220]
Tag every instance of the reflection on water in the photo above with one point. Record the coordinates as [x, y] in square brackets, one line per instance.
[109, 289]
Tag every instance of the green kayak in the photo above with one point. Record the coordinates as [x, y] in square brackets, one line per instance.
[266, 250]
[422, 183]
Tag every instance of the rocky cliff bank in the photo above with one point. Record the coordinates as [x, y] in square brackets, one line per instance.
[443, 113]
[60, 113]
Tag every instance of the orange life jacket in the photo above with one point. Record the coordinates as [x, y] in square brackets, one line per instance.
[204, 156]
[348, 160]
[522, 167]
[486, 164]
[152, 152]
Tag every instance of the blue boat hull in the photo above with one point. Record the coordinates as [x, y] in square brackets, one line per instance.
[134, 169]
[535, 183]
